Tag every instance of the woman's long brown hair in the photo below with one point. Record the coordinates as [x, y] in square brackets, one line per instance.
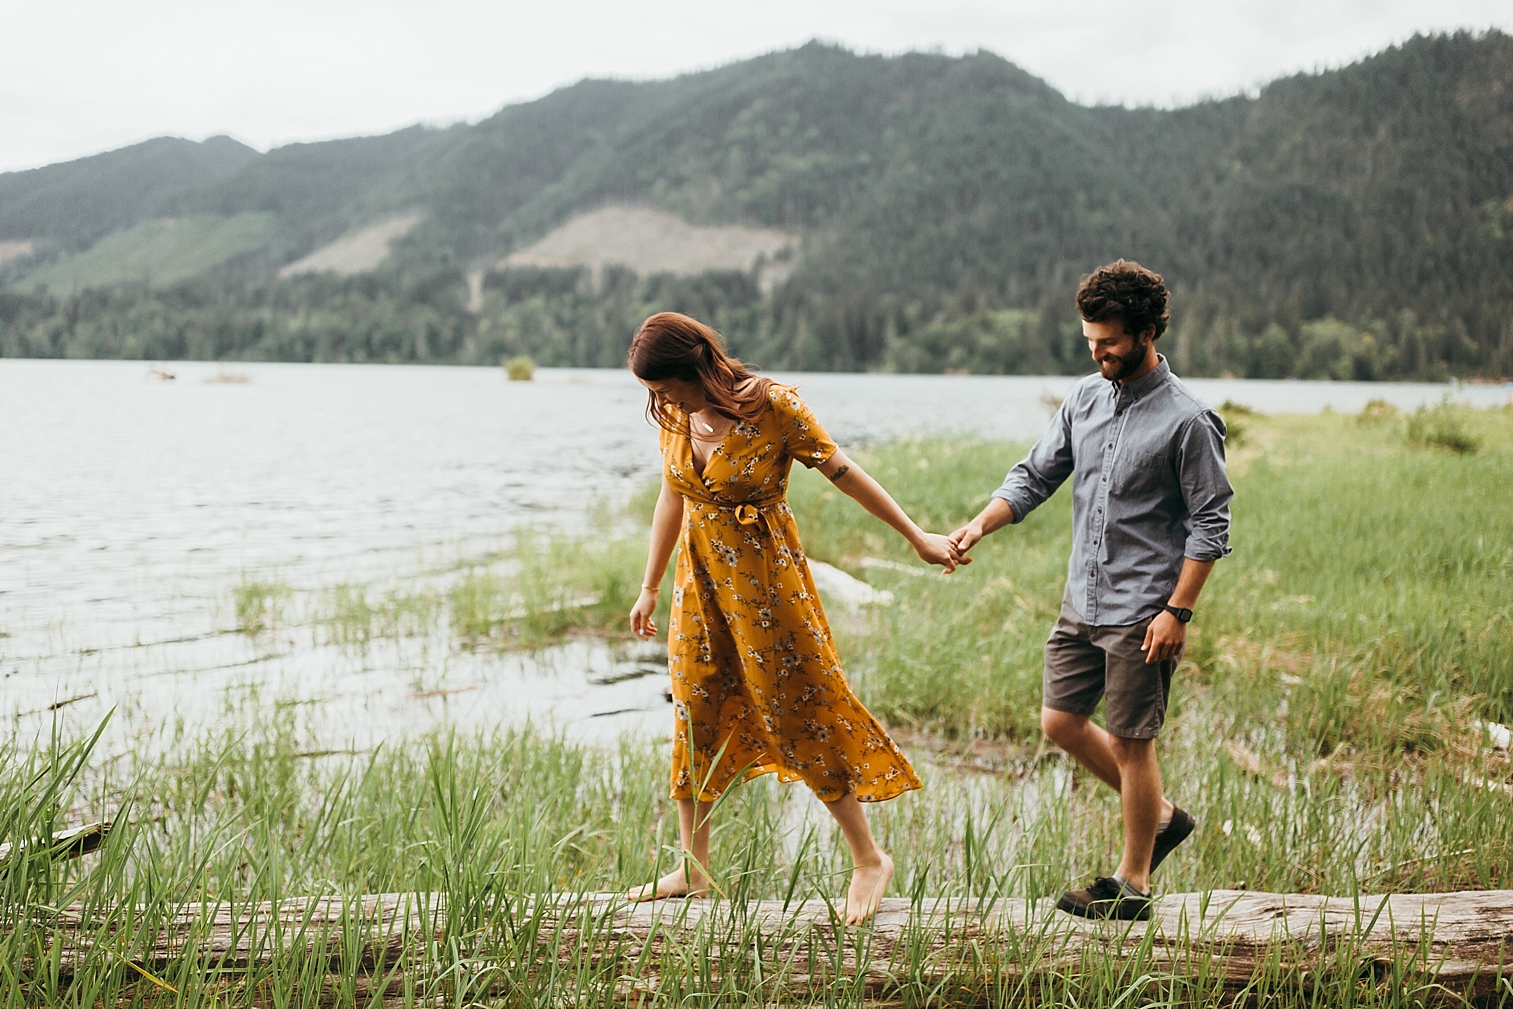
[673, 346]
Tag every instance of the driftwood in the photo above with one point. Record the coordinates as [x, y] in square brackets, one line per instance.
[1462, 941]
[1457, 944]
[71, 843]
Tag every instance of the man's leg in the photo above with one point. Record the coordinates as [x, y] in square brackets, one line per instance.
[1112, 760]
[1087, 743]
[1141, 804]
[1135, 697]
[1075, 669]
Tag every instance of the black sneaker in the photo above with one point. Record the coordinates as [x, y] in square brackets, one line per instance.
[1175, 833]
[1105, 899]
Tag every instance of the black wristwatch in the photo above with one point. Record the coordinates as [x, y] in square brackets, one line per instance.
[1178, 612]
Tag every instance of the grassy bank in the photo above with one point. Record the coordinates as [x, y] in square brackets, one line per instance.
[1357, 554]
[1326, 732]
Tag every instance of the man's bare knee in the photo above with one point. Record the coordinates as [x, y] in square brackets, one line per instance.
[1128, 750]
[1060, 727]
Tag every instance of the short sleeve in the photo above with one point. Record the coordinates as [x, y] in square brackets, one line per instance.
[804, 440]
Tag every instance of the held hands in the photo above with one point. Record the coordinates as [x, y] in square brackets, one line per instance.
[642, 622]
[933, 548]
[965, 539]
[1164, 639]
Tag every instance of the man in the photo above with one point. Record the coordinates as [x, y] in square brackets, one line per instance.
[1150, 515]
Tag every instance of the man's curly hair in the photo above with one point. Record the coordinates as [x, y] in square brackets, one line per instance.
[1125, 291]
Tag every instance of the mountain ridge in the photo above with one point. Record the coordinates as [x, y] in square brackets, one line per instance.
[1366, 211]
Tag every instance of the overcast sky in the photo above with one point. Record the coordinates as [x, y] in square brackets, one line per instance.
[81, 77]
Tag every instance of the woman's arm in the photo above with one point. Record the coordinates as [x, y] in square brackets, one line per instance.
[665, 522]
[853, 481]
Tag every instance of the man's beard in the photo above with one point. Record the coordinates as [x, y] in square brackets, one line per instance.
[1127, 365]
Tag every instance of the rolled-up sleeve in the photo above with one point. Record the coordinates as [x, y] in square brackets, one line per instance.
[1037, 476]
[1205, 486]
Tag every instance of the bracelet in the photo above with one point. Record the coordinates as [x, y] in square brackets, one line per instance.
[651, 588]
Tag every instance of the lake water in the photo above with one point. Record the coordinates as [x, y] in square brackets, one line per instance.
[131, 508]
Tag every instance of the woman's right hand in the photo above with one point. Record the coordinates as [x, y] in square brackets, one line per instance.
[643, 622]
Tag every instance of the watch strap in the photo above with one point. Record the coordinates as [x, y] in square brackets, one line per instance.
[1179, 612]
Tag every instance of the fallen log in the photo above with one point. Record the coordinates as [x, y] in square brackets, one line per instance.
[71, 843]
[1459, 944]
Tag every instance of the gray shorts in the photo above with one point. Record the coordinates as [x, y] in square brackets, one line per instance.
[1084, 663]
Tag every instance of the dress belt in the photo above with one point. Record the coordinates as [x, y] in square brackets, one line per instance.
[747, 513]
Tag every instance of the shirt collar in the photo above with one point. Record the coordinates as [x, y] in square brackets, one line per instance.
[1129, 392]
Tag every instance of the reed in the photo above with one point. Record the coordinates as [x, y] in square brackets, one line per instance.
[348, 614]
[259, 605]
[549, 586]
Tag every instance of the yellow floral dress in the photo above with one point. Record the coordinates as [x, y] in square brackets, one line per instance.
[756, 682]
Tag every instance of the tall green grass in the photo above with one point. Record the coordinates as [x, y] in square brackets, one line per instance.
[543, 587]
[498, 822]
[1355, 556]
[353, 614]
[1324, 731]
[554, 585]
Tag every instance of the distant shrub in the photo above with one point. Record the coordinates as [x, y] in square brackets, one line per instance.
[520, 369]
[1376, 411]
[1237, 417]
[1007, 341]
[1444, 427]
[1272, 354]
[1331, 349]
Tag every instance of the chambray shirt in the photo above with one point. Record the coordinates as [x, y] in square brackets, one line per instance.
[1148, 489]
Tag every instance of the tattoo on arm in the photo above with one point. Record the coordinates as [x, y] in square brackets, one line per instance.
[839, 473]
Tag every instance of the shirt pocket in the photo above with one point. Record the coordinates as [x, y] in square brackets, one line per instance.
[1141, 474]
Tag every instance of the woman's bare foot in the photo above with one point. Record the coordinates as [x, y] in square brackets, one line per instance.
[868, 884]
[674, 884]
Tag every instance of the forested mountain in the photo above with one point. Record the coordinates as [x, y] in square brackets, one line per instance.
[1354, 223]
[69, 206]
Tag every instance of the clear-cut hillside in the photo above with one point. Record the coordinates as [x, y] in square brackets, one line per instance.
[156, 253]
[650, 241]
[358, 252]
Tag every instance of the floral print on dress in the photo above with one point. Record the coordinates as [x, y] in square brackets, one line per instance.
[756, 682]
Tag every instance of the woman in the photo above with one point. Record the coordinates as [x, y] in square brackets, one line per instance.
[756, 682]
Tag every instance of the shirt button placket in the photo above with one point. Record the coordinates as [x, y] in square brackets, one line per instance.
[1098, 518]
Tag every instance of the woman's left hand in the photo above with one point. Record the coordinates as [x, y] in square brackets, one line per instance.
[643, 622]
[933, 548]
